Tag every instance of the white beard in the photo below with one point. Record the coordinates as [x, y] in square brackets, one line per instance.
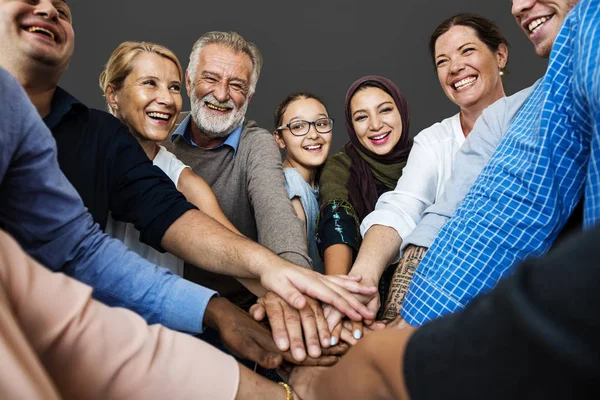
[216, 126]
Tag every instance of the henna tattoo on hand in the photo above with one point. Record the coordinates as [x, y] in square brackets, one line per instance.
[401, 281]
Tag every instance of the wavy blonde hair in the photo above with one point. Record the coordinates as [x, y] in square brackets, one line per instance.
[120, 63]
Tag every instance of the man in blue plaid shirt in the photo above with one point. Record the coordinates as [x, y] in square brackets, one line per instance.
[544, 165]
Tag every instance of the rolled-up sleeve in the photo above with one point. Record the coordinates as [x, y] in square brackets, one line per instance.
[42, 210]
[402, 207]
[141, 193]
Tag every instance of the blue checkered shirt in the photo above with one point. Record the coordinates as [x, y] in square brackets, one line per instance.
[545, 163]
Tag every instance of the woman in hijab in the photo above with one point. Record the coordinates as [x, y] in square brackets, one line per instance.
[370, 164]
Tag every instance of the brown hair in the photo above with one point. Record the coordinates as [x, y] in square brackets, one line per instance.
[487, 31]
[284, 104]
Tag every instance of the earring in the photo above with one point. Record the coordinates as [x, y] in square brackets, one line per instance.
[501, 73]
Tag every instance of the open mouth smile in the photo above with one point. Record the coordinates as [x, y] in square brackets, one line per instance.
[380, 137]
[217, 108]
[42, 31]
[313, 147]
[537, 23]
[159, 116]
[464, 83]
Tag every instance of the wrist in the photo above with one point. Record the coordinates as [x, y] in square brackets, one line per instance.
[368, 277]
[289, 393]
[214, 310]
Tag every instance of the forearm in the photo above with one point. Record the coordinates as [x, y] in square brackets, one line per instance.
[379, 249]
[338, 259]
[93, 351]
[401, 280]
[372, 369]
[202, 241]
[124, 279]
[254, 387]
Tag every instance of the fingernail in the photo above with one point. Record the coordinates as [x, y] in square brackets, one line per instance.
[333, 340]
[282, 344]
[299, 354]
[314, 351]
[357, 334]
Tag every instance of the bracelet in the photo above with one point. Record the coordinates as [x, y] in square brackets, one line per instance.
[289, 395]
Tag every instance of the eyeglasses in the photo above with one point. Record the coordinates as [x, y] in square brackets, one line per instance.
[301, 127]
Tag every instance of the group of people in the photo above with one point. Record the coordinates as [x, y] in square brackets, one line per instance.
[321, 266]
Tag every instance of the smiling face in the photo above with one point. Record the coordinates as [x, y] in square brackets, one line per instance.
[309, 151]
[376, 120]
[541, 21]
[220, 91]
[468, 71]
[36, 31]
[150, 99]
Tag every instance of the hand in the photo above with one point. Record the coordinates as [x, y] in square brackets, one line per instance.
[292, 282]
[241, 334]
[345, 331]
[301, 379]
[334, 317]
[328, 357]
[287, 325]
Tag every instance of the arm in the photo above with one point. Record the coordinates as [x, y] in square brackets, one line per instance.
[541, 324]
[337, 236]
[372, 369]
[297, 204]
[279, 228]
[92, 351]
[401, 280]
[41, 209]
[468, 164]
[378, 250]
[400, 210]
[338, 259]
[199, 193]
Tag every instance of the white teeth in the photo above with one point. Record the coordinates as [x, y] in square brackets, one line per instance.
[159, 115]
[215, 107]
[38, 29]
[535, 25]
[380, 136]
[314, 147]
[464, 82]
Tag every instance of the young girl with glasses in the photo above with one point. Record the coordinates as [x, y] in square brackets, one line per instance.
[303, 129]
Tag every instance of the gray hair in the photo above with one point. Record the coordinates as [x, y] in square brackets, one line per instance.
[234, 41]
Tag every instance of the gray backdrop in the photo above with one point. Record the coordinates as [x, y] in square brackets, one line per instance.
[318, 46]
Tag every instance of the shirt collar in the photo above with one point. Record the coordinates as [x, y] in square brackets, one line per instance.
[62, 103]
[185, 129]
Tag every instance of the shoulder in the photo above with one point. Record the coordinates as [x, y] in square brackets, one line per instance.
[292, 174]
[99, 124]
[251, 130]
[165, 159]
[508, 105]
[338, 160]
[103, 119]
[294, 182]
[439, 132]
[257, 139]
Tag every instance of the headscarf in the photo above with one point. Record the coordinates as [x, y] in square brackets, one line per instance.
[371, 174]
